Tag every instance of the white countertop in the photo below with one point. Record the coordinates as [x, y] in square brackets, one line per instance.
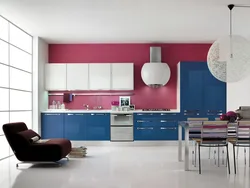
[107, 111]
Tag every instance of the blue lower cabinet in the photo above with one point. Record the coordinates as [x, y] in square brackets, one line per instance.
[168, 131]
[52, 125]
[98, 126]
[145, 133]
[75, 126]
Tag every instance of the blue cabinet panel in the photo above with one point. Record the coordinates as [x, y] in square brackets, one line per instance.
[52, 125]
[75, 126]
[202, 95]
[98, 126]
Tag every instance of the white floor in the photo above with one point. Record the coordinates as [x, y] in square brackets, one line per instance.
[122, 166]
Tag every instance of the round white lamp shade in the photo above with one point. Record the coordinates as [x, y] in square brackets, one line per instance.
[155, 74]
[225, 67]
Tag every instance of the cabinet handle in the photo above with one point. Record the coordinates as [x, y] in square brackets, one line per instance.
[143, 128]
[168, 128]
[142, 121]
[98, 114]
[128, 115]
[70, 114]
[144, 114]
[53, 114]
[163, 121]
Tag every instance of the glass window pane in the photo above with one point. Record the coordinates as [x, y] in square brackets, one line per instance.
[20, 80]
[25, 117]
[20, 100]
[20, 39]
[4, 99]
[4, 147]
[4, 76]
[4, 52]
[4, 34]
[20, 59]
[4, 118]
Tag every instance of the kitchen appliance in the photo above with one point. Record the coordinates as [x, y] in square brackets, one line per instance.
[155, 73]
[122, 127]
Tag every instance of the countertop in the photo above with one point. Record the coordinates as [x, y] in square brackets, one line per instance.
[107, 111]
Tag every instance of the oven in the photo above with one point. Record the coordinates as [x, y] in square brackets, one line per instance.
[122, 127]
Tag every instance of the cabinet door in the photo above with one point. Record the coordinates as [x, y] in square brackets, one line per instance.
[122, 76]
[100, 76]
[55, 76]
[145, 133]
[52, 125]
[98, 126]
[75, 126]
[77, 76]
[167, 130]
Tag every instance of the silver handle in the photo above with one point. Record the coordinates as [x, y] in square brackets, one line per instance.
[128, 115]
[144, 114]
[144, 128]
[70, 114]
[53, 114]
[141, 121]
[163, 121]
[97, 114]
[168, 128]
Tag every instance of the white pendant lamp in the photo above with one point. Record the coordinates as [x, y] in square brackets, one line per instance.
[228, 58]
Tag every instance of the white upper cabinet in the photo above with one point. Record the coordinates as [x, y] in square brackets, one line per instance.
[122, 76]
[100, 76]
[77, 76]
[55, 76]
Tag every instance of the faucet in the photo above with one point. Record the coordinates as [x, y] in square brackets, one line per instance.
[86, 106]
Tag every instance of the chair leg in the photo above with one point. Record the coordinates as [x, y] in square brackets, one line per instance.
[234, 159]
[199, 151]
[195, 154]
[228, 162]
[245, 151]
[238, 148]
[209, 154]
[218, 156]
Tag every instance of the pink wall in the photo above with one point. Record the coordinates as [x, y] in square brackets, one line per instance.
[144, 97]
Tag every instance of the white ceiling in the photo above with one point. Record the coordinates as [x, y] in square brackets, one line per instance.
[100, 21]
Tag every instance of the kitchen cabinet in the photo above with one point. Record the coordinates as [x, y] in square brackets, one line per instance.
[55, 76]
[122, 77]
[52, 125]
[77, 76]
[202, 95]
[155, 126]
[100, 76]
[98, 126]
[75, 126]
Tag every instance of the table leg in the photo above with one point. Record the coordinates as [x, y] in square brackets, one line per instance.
[186, 161]
[179, 143]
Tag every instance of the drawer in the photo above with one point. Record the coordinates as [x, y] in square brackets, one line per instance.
[121, 119]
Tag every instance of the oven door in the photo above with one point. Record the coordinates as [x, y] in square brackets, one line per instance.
[122, 133]
[122, 119]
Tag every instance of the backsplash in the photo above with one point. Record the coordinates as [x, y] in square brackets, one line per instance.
[143, 96]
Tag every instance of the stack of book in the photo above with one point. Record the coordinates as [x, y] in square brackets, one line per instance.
[78, 152]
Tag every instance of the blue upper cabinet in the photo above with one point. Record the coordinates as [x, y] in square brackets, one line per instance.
[75, 126]
[201, 93]
[52, 125]
[98, 126]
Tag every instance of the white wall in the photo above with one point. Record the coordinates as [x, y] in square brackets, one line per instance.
[40, 96]
[238, 94]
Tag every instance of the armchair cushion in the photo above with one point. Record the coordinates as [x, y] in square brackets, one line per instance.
[25, 137]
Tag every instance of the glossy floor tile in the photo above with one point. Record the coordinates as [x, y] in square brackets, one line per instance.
[125, 167]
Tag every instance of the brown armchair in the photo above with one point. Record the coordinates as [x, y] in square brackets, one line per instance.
[21, 141]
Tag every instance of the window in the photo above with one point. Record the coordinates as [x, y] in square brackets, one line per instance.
[15, 79]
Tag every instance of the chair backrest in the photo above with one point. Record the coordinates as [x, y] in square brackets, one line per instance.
[243, 132]
[214, 132]
[18, 135]
[195, 125]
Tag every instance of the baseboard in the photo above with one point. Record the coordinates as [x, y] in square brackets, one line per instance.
[135, 143]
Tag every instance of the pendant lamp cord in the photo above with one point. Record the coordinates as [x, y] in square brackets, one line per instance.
[231, 6]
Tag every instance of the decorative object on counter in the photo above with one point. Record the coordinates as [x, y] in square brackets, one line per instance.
[230, 116]
[115, 105]
[67, 97]
[132, 107]
[86, 106]
[228, 58]
[124, 101]
[243, 113]
[78, 152]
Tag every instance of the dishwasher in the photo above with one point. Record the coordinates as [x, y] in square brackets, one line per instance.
[122, 127]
